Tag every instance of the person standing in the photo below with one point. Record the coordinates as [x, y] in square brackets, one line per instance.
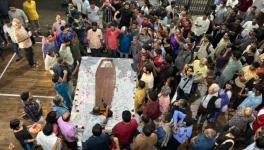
[146, 140]
[93, 13]
[108, 10]
[62, 88]
[125, 39]
[17, 13]
[8, 32]
[22, 38]
[68, 130]
[111, 37]
[99, 139]
[125, 130]
[32, 107]
[29, 6]
[56, 27]
[95, 38]
[201, 25]
[126, 15]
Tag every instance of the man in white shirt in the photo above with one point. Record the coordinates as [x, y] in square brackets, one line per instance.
[93, 13]
[231, 3]
[248, 26]
[201, 25]
[8, 32]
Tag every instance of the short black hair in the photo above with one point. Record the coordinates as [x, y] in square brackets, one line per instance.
[65, 40]
[126, 116]
[62, 28]
[51, 117]
[46, 34]
[168, 59]
[158, 51]
[258, 87]
[55, 78]
[235, 131]
[141, 84]
[147, 130]
[209, 37]
[6, 21]
[94, 24]
[237, 54]
[149, 67]
[173, 3]
[145, 119]
[97, 130]
[260, 142]
[24, 95]
[14, 124]
[153, 95]
[12, 4]
[47, 129]
[256, 64]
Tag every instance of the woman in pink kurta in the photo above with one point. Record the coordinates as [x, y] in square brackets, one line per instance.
[164, 99]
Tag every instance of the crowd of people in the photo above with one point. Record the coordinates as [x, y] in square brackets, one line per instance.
[175, 55]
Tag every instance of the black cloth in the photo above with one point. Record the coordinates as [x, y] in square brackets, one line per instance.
[101, 142]
[126, 15]
[29, 55]
[3, 9]
[23, 135]
[223, 142]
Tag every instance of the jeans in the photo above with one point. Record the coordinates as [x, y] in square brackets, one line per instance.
[29, 55]
[16, 49]
[112, 53]
[34, 24]
[123, 55]
[96, 52]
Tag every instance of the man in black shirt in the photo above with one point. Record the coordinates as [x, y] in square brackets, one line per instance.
[126, 15]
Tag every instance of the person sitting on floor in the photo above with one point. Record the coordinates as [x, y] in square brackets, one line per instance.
[32, 107]
[98, 140]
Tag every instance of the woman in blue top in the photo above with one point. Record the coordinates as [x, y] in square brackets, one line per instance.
[125, 39]
[62, 88]
[254, 98]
